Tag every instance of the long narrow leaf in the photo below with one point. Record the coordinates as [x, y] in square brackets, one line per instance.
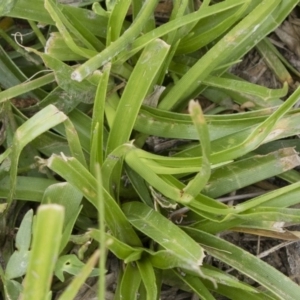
[278, 284]
[97, 143]
[39, 123]
[113, 49]
[72, 171]
[217, 54]
[136, 90]
[165, 233]
[199, 181]
[44, 252]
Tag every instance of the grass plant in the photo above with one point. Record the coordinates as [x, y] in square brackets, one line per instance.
[85, 85]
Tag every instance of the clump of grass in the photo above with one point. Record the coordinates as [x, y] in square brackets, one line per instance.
[79, 172]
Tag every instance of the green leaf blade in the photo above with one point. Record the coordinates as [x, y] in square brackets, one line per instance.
[164, 232]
